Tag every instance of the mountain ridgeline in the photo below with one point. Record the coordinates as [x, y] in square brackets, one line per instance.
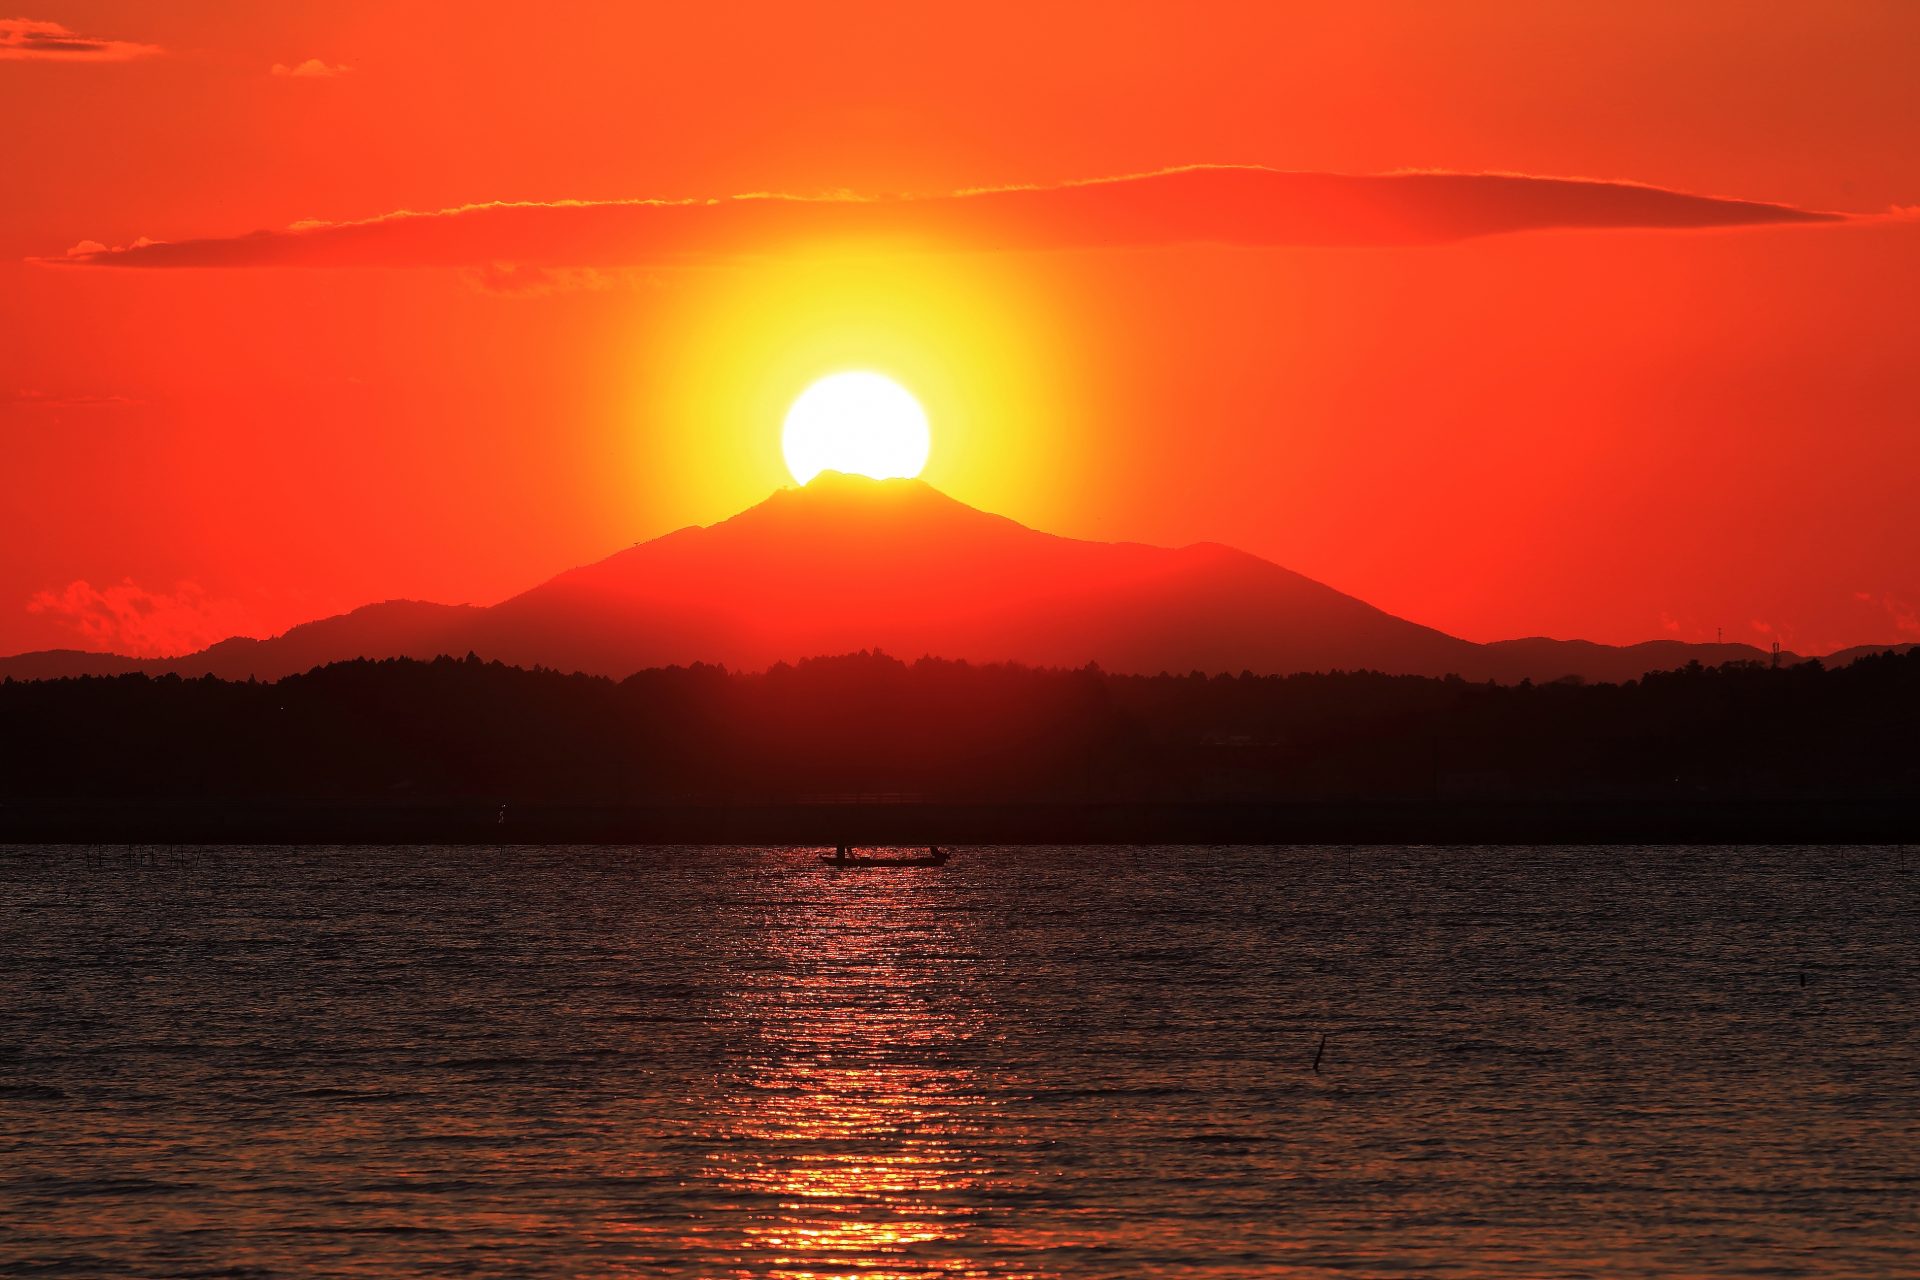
[847, 564]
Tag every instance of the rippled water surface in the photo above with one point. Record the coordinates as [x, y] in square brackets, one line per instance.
[1032, 1062]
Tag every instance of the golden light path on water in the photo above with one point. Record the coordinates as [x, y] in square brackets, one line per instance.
[852, 1128]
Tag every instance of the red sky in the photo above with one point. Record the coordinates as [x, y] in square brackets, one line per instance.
[1616, 434]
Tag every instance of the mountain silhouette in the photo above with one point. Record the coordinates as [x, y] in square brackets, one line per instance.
[846, 563]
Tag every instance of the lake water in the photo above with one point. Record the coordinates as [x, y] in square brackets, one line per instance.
[1032, 1062]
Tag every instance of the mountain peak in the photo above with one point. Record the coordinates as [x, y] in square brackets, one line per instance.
[863, 507]
[843, 488]
[853, 482]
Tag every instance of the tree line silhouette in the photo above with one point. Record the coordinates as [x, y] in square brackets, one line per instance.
[869, 725]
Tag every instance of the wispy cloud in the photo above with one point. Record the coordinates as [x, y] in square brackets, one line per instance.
[24, 38]
[1904, 616]
[311, 69]
[506, 280]
[32, 398]
[1230, 205]
[129, 619]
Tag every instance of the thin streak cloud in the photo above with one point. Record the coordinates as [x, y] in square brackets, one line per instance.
[311, 69]
[1228, 205]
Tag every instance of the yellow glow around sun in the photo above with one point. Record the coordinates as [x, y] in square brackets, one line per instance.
[858, 423]
[714, 355]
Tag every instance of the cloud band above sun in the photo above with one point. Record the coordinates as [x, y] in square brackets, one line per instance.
[1228, 205]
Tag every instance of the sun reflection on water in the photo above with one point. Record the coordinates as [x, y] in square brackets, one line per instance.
[851, 1135]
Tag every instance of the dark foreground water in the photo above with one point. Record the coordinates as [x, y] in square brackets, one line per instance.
[1033, 1062]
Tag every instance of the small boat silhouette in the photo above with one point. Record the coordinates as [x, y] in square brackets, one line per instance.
[844, 856]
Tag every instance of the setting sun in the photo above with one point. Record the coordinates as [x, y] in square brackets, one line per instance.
[858, 423]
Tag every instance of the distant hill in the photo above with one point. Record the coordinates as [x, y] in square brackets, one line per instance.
[846, 564]
[394, 629]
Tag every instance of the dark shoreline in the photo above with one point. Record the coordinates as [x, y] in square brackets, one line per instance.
[1858, 821]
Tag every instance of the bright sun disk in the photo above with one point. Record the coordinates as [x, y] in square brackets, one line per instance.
[858, 423]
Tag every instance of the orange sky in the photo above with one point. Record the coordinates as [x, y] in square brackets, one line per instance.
[1614, 434]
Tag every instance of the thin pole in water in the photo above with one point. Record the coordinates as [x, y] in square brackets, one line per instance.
[1317, 1052]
